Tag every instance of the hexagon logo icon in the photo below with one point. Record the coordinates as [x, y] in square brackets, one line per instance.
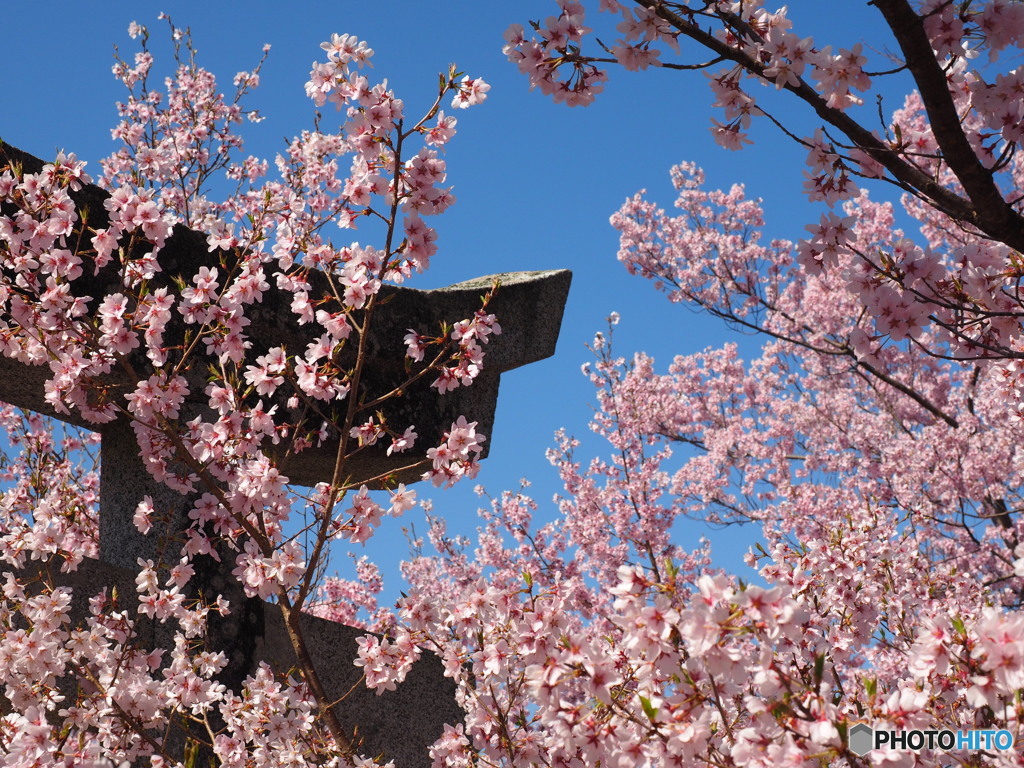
[861, 738]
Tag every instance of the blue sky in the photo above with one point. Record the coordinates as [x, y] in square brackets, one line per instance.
[535, 182]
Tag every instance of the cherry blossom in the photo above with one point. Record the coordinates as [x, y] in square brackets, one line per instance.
[873, 442]
[90, 693]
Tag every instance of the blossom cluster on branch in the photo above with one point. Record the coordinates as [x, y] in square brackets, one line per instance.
[952, 150]
[85, 290]
[870, 441]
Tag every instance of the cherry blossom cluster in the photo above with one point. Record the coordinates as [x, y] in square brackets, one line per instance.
[890, 570]
[540, 57]
[83, 290]
[885, 479]
[50, 498]
[125, 696]
[869, 442]
[713, 254]
[953, 147]
[363, 516]
[455, 458]
[466, 338]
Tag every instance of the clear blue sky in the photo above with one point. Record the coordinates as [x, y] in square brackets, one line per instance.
[535, 182]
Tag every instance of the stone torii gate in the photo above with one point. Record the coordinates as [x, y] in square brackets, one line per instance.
[399, 724]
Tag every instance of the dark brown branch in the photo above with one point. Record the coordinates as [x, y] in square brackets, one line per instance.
[993, 215]
[1000, 223]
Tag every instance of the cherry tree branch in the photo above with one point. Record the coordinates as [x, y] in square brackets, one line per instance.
[984, 208]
